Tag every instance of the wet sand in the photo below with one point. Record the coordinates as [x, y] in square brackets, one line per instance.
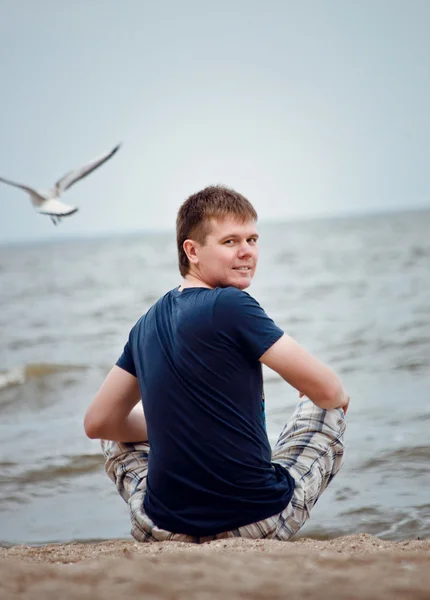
[358, 566]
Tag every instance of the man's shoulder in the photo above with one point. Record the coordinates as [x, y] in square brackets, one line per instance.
[234, 295]
[232, 300]
[231, 289]
[149, 312]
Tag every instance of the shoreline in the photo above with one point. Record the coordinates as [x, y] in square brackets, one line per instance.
[354, 566]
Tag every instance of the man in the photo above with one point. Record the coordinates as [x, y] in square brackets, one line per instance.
[195, 464]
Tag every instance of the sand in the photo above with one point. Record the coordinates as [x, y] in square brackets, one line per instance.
[357, 566]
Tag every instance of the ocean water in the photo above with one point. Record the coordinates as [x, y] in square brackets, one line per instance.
[354, 291]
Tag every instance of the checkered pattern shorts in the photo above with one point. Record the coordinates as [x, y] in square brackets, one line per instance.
[310, 447]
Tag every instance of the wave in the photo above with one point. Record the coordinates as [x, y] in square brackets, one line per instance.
[412, 456]
[394, 524]
[411, 342]
[412, 364]
[74, 466]
[22, 374]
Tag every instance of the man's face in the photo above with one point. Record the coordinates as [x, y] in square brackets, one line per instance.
[229, 255]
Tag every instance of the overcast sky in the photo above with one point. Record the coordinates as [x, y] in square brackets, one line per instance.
[307, 107]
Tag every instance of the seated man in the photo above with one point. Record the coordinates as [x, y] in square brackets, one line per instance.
[196, 464]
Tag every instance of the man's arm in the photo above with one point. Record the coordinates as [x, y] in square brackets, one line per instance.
[306, 373]
[113, 414]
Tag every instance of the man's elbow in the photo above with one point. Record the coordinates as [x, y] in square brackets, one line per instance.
[332, 395]
[94, 428]
[329, 392]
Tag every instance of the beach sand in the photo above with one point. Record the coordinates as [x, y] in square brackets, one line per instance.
[357, 566]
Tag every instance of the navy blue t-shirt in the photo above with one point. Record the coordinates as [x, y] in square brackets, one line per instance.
[196, 355]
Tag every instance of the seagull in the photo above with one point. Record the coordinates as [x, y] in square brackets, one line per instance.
[48, 202]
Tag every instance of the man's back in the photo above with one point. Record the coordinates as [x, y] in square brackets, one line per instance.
[195, 354]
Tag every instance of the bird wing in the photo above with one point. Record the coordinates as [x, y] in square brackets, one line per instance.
[27, 189]
[56, 208]
[72, 177]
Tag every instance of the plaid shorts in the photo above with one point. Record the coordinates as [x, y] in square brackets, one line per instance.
[310, 447]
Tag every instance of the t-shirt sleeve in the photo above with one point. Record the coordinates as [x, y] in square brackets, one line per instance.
[126, 361]
[239, 319]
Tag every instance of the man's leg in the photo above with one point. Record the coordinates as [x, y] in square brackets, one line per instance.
[311, 448]
[127, 466]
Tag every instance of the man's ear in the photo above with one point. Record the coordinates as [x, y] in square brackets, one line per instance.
[191, 250]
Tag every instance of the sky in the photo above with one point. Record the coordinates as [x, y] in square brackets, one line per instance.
[308, 108]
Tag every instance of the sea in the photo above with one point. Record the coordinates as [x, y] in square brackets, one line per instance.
[354, 291]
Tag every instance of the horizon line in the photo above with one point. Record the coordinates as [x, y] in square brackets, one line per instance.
[158, 230]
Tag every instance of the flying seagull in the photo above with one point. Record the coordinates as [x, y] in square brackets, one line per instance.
[48, 202]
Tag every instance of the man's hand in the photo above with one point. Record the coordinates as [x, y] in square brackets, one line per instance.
[346, 406]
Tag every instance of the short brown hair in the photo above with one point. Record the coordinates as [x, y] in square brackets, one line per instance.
[215, 201]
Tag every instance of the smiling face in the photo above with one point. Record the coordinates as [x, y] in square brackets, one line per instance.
[228, 256]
